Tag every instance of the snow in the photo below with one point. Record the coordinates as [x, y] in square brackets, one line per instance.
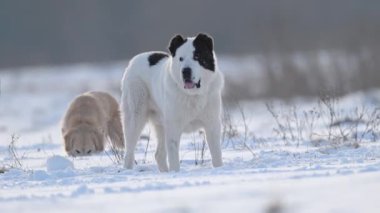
[57, 162]
[271, 176]
[82, 190]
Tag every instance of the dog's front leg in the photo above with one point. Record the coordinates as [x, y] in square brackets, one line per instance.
[213, 136]
[172, 139]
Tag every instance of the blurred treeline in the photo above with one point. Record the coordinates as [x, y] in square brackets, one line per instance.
[277, 32]
[51, 32]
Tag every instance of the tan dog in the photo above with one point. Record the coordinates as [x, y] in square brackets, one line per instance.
[92, 117]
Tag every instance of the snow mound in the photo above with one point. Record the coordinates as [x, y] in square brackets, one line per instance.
[57, 163]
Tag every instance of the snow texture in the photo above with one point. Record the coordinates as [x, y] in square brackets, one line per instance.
[262, 171]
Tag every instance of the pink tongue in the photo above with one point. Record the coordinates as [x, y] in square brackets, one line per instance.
[189, 85]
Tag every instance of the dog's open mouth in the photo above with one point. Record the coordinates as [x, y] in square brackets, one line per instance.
[189, 84]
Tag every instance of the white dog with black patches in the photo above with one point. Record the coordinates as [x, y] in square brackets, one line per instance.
[180, 92]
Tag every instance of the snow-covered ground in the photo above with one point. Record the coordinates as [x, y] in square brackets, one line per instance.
[263, 172]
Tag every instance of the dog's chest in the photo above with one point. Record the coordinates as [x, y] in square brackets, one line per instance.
[193, 105]
[193, 109]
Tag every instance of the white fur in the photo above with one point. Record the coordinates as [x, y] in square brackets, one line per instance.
[157, 94]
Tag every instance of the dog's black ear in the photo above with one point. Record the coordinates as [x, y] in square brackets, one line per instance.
[176, 42]
[205, 40]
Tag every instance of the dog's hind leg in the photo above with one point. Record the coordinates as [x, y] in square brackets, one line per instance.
[115, 131]
[161, 154]
[135, 114]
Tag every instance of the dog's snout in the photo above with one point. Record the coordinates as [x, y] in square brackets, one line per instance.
[186, 73]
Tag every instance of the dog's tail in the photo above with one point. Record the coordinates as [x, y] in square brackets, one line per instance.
[115, 131]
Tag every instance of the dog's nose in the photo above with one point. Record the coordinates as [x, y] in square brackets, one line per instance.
[186, 73]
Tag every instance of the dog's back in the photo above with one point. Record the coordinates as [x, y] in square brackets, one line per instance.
[83, 109]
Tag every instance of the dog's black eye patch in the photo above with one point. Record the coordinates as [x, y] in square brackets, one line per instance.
[154, 58]
[205, 59]
[203, 52]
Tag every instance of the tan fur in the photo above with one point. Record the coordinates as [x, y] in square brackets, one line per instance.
[89, 120]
